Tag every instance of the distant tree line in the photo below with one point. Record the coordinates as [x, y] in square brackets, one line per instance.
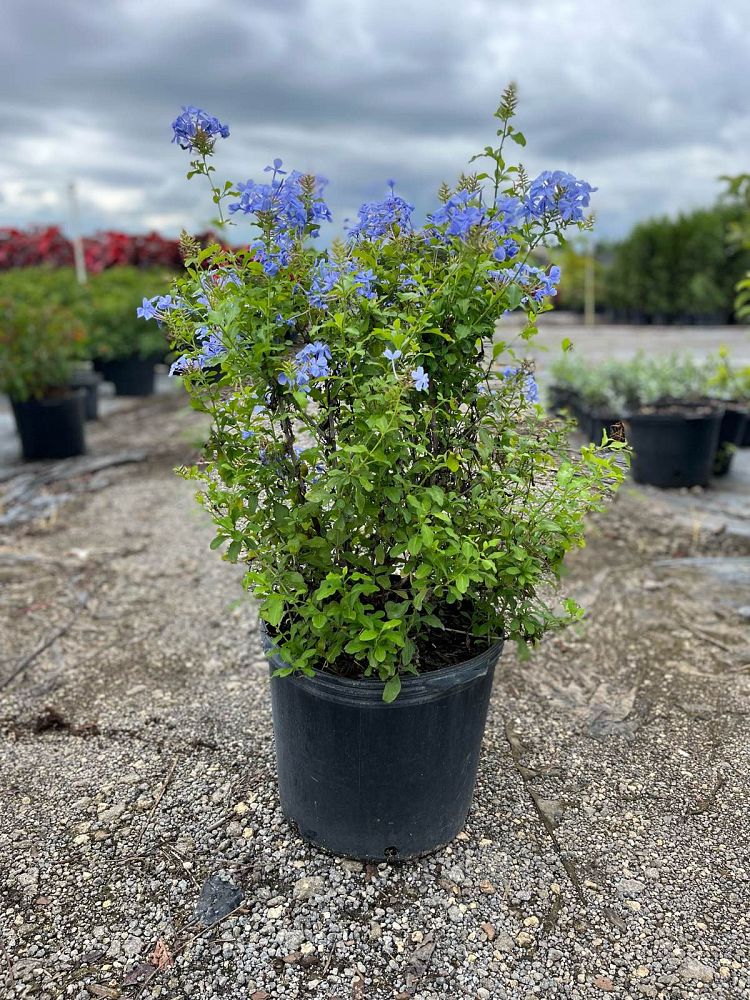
[682, 270]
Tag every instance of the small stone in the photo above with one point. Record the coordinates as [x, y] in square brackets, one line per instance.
[463, 836]
[489, 931]
[242, 809]
[111, 815]
[307, 948]
[531, 921]
[503, 943]
[692, 969]
[376, 931]
[483, 994]
[486, 886]
[352, 866]
[524, 939]
[305, 888]
[455, 874]
[218, 898]
[630, 887]
[274, 912]
[259, 995]
[603, 983]
[455, 914]
[643, 971]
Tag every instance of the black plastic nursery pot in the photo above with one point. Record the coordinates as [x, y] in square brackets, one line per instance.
[89, 381]
[674, 447]
[599, 422]
[732, 432]
[378, 781]
[130, 376]
[51, 427]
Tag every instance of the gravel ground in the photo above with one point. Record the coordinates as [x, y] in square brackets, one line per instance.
[606, 852]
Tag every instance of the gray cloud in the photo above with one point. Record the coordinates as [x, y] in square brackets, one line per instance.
[647, 100]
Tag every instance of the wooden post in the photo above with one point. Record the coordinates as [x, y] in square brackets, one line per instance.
[75, 225]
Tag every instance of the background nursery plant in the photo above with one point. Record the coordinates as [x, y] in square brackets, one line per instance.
[399, 501]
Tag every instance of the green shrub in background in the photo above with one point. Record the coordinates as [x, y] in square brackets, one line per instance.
[40, 344]
[114, 329]
[621, 387]
[681, 270]
[104, 309]
[738, 195]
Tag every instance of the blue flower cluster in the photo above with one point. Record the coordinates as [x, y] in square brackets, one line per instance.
[555, 192]
[156, 307]
[376, 219]
[285, 199]
[284, 208]
[538, 283]
[530, 388]
[212, 349]
[327, 275]
[311, 362]
[196, 130]
[459, 214]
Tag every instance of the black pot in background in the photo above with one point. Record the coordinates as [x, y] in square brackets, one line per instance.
[89, 381]
[745, 442]
[130, 376]
[732, 432]
[51, 427]
[674, 447]
[375, 781]
[600, 422]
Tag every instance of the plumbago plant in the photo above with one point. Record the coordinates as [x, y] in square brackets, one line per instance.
[399, 502]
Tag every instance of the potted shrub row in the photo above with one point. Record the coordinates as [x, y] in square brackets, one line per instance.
[683, 418]
[39, 347]
[380, 467]
[52, 330]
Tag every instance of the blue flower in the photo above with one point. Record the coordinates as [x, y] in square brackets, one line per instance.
[156, 307]
[421, 379]
[538, 283]
[392, 355]
[530, 388]
[376, 219]
[458, 215]
[327, 277]
[286, 203]
[311, 362]
[555, 192]
[197, 131]
[212, 349]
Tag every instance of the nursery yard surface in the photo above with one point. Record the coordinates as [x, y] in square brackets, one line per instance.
[142, 849]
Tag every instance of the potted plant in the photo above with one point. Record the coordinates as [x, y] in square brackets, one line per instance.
[39, 346]
[379, 465]
[732, 388]
[670, 424]
[126, 349]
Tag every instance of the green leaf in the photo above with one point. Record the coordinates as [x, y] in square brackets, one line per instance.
[273, 611]
[218, 541]
[392, 689]
[518, 137]
[452, 462]
[234, 549]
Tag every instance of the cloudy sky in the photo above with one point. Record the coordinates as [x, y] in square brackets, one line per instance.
[647, 99]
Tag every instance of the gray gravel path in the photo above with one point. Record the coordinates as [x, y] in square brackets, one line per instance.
[607, 851]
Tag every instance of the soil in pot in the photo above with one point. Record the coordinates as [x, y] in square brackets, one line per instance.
[130, 376]
[379, 781]
[51, 427]
[674, 445]
[89, 381]
[732, 432]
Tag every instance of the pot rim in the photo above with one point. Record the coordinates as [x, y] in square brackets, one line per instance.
[414, 687]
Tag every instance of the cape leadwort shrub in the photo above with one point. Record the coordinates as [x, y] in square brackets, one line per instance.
[398, 501]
